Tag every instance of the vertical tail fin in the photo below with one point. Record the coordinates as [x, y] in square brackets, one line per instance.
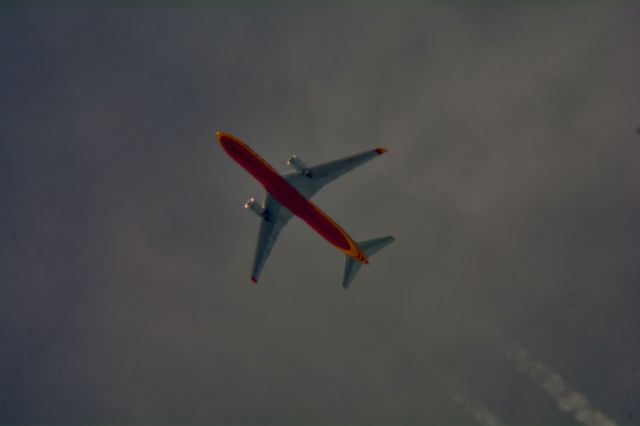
[369, 247]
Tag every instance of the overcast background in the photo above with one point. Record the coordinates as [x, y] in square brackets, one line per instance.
[512, 186]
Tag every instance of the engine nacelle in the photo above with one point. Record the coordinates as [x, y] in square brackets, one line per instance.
[255, 207]
[297, 164]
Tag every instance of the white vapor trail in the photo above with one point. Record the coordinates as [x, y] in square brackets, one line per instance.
[568, 399]
[480, 412]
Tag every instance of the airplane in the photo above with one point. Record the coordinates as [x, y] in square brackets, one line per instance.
[289, 194]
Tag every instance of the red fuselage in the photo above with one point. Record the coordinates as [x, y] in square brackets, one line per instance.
[289, 197]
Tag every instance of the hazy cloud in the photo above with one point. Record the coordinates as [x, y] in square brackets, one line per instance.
[511, 185]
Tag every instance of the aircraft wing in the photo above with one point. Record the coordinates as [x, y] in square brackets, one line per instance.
[311, 180]
[275, 217]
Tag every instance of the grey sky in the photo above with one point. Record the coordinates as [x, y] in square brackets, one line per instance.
[511, 185]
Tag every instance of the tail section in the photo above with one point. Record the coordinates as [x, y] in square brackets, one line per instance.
[369, 247]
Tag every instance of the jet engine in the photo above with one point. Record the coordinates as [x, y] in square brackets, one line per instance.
[255, 207]
[297, 164]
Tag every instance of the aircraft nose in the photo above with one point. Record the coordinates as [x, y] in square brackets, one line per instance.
[226, 141]
[222, 138]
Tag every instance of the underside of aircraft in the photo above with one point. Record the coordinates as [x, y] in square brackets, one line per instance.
[289, 194]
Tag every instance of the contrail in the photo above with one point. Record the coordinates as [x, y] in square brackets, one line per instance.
[568, 399]
[480, 412]
[458, 394]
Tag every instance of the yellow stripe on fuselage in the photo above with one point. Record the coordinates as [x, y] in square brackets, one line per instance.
[354, 251]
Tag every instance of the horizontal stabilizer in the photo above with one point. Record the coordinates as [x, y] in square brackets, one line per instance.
[369, 247]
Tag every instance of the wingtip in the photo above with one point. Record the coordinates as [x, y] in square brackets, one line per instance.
[381, 150]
